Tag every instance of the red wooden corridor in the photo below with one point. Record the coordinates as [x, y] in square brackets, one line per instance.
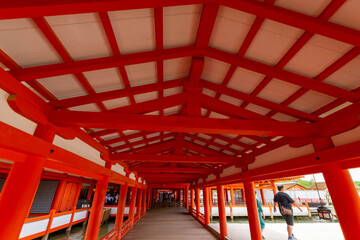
[185, 94]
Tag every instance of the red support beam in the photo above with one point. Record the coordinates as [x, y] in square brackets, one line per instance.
[25, 176]
[253, 216]
[143, 169]
[170, 176]
[121, 207]
[32, 73]
[181, 124]
[222, 213]
[104, 96]
[173, 158]
[283, 75]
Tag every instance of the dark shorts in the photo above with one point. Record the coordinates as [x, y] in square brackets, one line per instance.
[289, 219]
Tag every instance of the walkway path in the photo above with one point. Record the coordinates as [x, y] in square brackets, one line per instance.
[168, 223]
[277, 231]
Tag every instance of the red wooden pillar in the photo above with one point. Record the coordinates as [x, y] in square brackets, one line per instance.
[93, 228]
[206, 205]
[344, 197]
[191, 200]
[121, 206]
[90, 193]
[262, 196]
[187, 197]
[243, 195]
[197, 193]
[77, 194]
[342, 191]
[132, 204]
[222, 213]
[20, 188]
[273, 186]
[149, 191]
[59, 195]
[253, 215]
[139, 201]
[144, 201]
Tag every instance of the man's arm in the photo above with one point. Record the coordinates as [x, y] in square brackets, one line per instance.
[297, 206]
[275, 206]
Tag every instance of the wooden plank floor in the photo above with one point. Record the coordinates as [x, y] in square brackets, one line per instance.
[170, 224]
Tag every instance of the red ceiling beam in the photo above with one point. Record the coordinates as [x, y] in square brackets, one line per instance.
[173, 158]
[109, 120]
[125, 138]
[170, 176]
[105, 20]
[170, 170]
[158, 148]
[32, 73]
[200, 149]
[154, 105]
[298, 20]
[38, 8]
[144, 141]
[104, 96]
[283, 75]
[259, 101]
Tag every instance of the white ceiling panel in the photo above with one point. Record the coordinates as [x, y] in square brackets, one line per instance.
[348, 76]
[214, 70]
[25, 43]
[231, 100]
[220, 142]
[284, 118]
[110, 136]
[217, 115]
[277, 90]
[311, 101]
[316, 56]
[309, 7]
[209, 92]
[272, 42]
[348, 15]
[116, 103]
[145, 97]
[82, 35]
[176, 68]
[104, 79]
[172, 110]
[65, 86]
[92, 107]
[181, 25]
[134, 30]
[245, 80]
[141, 74]
[230, 29]
[257, 109]
[247, 141]
[173, 91]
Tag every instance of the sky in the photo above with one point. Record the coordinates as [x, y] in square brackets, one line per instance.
[355, 174]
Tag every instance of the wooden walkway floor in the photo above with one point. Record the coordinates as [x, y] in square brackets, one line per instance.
[168, 223]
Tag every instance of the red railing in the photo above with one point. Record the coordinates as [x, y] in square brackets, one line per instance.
[201, 218]
[126, 226]
[114, 234]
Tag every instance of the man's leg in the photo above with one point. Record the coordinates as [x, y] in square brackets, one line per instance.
[289, 230]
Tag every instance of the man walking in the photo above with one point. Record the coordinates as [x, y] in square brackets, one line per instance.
[285, 206]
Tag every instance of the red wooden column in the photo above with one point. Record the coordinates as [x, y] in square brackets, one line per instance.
[222, 213]
[132, 204]
[262, 196]
[342, 191]
[149, 191]
[186, 195]
[273, 186]
[344, 197]
[144, 201]
[121, 207]
[93, 228]
[206, 205]
[191, 200]
[254, 221]
[139, 201]
[91, 190]
[197, 193]
[59, 195]
[20, 188]
[243, 195]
